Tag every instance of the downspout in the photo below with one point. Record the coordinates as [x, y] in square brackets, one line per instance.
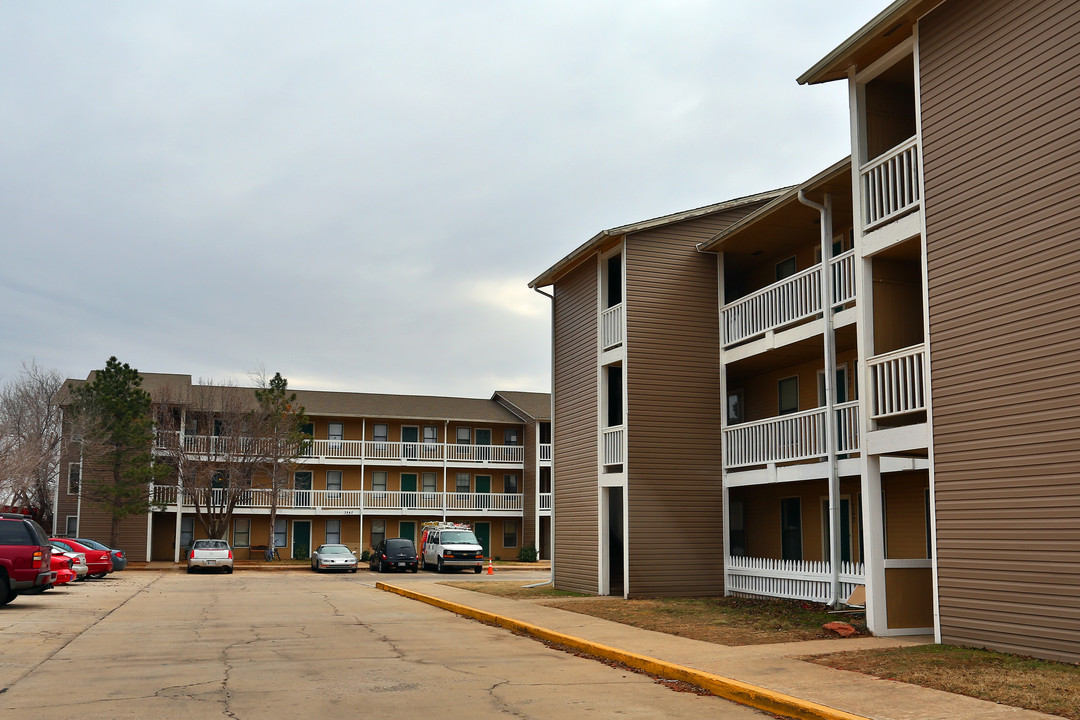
[551, 562]
[830, 392]
[445, 452]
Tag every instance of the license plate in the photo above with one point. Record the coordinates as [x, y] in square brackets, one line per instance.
[211, 562]
[401, 564]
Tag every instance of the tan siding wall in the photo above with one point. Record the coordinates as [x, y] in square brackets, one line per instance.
[761, 396]
[575, 431]
[675, 492]
[1001, 119]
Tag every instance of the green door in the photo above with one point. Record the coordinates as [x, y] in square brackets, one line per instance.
[410, 437]
[483, 488]
[483, 534]
[408, 490]
[407, 529]
[301, 539]
[483, 444]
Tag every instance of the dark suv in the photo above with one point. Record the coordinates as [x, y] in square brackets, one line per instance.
[394, 553]
[25, 556]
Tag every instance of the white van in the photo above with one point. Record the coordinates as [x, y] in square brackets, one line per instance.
[450, 545]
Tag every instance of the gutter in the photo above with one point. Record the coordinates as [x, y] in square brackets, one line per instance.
[830, 392]
[551, 570]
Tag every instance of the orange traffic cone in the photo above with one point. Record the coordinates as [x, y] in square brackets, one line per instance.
[491, 568]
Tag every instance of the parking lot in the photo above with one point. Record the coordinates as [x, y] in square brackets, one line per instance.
[296, 644]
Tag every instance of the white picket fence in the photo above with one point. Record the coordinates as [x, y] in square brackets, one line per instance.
[790, 579]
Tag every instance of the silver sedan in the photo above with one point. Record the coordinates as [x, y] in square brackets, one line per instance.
[333, 557]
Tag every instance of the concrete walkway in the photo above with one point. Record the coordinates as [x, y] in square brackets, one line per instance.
[766, 672]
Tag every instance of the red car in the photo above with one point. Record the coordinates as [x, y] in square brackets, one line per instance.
[61, 567]
[98, 562]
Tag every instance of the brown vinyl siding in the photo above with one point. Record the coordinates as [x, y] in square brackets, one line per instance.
[1001, 123]
[675, 492]
[527, 485]
[576, 433]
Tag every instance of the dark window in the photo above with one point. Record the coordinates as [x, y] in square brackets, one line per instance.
[545, 433]
[399, 545]
[791, 528]
[788, 392]
[13, 532]
[786, 268]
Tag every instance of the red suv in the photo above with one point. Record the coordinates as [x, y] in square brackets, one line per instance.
[25, 557]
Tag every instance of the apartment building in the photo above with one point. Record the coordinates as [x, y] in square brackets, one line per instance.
[963, 136]
[891, 364]
[636, 385]
[376, 466]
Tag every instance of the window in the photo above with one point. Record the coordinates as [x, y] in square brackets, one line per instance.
[333, 483]
[381, 433]
[841, 385]
[335, 433]
[786, 268]
[464, 482]
[378, 532]
[510, 436]
[378, 480]
[791, 528]
[428, 479]
[308, 429]
[333, 532]
[788, 392]
[464, 436]
[241, 534]
[187, 531]
[72, 526]
[431, 434]
[281, 532]
[74, 476]
[735, 407]
[510, 533]
[510, 483]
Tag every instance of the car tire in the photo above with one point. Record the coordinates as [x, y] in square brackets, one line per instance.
[477, 569]
[415, 569]
[100, 576]
[190, 570]
[352, 570]
[6, 593]
[228, 571]
[439, 566]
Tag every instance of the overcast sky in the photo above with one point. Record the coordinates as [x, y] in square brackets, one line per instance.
[356, 194]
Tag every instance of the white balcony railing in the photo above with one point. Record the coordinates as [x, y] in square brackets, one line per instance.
[259, 498]
[789, 301]
[897, 380]
[417, 452]
[611, 327]
[614, 445]
[788, 438]
[545, 452]
[791, 579]
[545, 502]
[890, 184]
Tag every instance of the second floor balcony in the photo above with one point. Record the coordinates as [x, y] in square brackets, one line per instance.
[790, 438]
[890, 184]
[790, 301]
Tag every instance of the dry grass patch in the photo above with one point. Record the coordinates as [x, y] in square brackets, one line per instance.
[724, 621]
[511, 589]
[1048, 687]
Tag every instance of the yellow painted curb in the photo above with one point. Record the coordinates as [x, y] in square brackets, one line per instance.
[734, 690]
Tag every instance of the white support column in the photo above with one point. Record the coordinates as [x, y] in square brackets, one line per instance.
[179, 486]
[874, 546]
[149, 529]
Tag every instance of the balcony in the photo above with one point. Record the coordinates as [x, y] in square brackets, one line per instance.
[359, 450]
[792, 300]
[614, 444]
[790, 438]
[898, 382]
[545, 503]
[611, 327]
[890, 184]
[348, 501]
[545, 452]
[790, 579]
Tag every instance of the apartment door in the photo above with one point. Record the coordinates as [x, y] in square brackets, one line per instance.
[410, 438]
[483, 441]
[408, 490]
[483, 488]
[407, 529]
[302, 485]
[301, 539]
[483, 535]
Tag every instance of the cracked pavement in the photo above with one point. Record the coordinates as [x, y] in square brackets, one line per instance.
[289, 644]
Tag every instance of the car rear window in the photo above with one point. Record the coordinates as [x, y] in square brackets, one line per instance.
[211, 545]
[399, 545]
[13, 532]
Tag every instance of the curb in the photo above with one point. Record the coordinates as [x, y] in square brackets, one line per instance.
[735, 690]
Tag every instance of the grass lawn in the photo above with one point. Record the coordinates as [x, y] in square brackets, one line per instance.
[1048, 687]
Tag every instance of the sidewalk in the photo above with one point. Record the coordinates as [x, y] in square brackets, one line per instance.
[756, 675]
[238, 565]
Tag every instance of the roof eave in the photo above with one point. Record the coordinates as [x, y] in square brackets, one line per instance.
[834, 65]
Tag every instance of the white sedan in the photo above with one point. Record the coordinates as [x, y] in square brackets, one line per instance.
[333, 557]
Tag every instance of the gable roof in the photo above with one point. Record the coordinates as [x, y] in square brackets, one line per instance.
[526, 405]
[560, 268]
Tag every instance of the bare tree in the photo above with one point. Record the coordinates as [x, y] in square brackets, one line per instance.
[211, 438]
[30, 438]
